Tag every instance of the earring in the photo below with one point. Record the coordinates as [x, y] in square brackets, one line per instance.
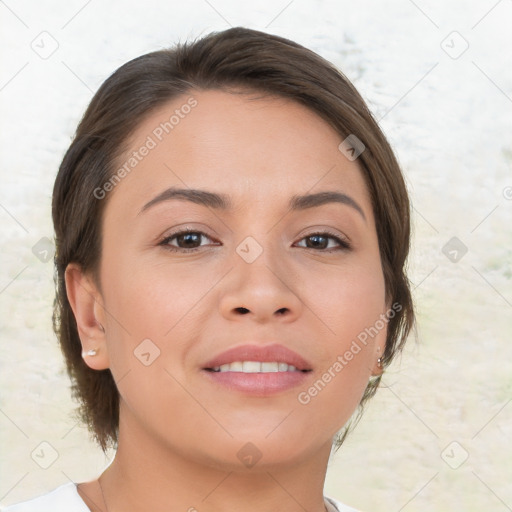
[379, 362]
[91, 352]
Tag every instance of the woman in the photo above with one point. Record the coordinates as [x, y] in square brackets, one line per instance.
[231, 230]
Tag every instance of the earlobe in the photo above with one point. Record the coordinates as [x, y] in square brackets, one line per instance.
[86, 303]
[378, 368]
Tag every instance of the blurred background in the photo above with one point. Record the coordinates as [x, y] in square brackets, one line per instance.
[436, 75]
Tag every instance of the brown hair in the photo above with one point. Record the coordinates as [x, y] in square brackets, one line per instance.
[235, 58]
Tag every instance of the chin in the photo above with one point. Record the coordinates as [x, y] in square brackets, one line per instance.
[259, 451]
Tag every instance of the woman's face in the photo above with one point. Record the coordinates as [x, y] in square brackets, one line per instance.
[252, 272]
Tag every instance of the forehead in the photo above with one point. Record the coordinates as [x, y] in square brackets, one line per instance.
[257, 149]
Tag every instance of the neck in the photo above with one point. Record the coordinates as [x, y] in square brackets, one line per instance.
[145, 475]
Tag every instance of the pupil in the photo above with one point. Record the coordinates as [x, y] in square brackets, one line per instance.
[188, 238]
[316, 238]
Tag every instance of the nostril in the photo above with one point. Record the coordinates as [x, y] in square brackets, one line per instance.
[242, 310]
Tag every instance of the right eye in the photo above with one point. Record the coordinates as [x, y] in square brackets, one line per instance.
[186, 241]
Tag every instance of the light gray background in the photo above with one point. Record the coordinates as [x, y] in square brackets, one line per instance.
[447, 111]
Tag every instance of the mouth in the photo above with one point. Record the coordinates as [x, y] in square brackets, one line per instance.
[254, 358]
[258, 370]
[256, 367]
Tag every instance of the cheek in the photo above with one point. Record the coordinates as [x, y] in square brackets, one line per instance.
[150, 323]
[347, 299]
[349, 304]
[153, 301]
[153, 298]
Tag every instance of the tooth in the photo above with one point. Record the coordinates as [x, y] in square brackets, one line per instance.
[255, 367]
[251, 366]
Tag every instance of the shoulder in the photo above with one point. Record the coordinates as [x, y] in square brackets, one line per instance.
[62, 499]
[337, 506]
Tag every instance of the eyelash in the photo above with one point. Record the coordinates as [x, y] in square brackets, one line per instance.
[344, 244]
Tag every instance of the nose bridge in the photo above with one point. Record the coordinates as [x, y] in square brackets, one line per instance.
[260, 263]
[261, 283]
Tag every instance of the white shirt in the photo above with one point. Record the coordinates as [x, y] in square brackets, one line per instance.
[66, 499]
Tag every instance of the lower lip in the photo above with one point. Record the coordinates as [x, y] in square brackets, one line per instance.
[258, 384]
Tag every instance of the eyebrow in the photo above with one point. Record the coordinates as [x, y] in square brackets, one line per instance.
[223, 201]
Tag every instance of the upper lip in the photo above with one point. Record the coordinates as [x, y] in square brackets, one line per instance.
[263, 353]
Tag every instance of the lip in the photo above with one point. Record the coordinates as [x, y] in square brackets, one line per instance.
[264, 353]
[259, 384]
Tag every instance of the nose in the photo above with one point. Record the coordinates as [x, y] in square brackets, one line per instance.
[263, 290]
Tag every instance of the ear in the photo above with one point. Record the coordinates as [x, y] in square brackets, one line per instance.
[87, 305]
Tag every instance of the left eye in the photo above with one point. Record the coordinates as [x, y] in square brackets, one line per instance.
[188, 241]
[321, 241]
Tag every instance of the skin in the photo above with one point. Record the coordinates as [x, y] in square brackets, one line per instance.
[179, 433]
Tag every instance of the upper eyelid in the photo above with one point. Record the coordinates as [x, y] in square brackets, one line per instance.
[185, 231]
